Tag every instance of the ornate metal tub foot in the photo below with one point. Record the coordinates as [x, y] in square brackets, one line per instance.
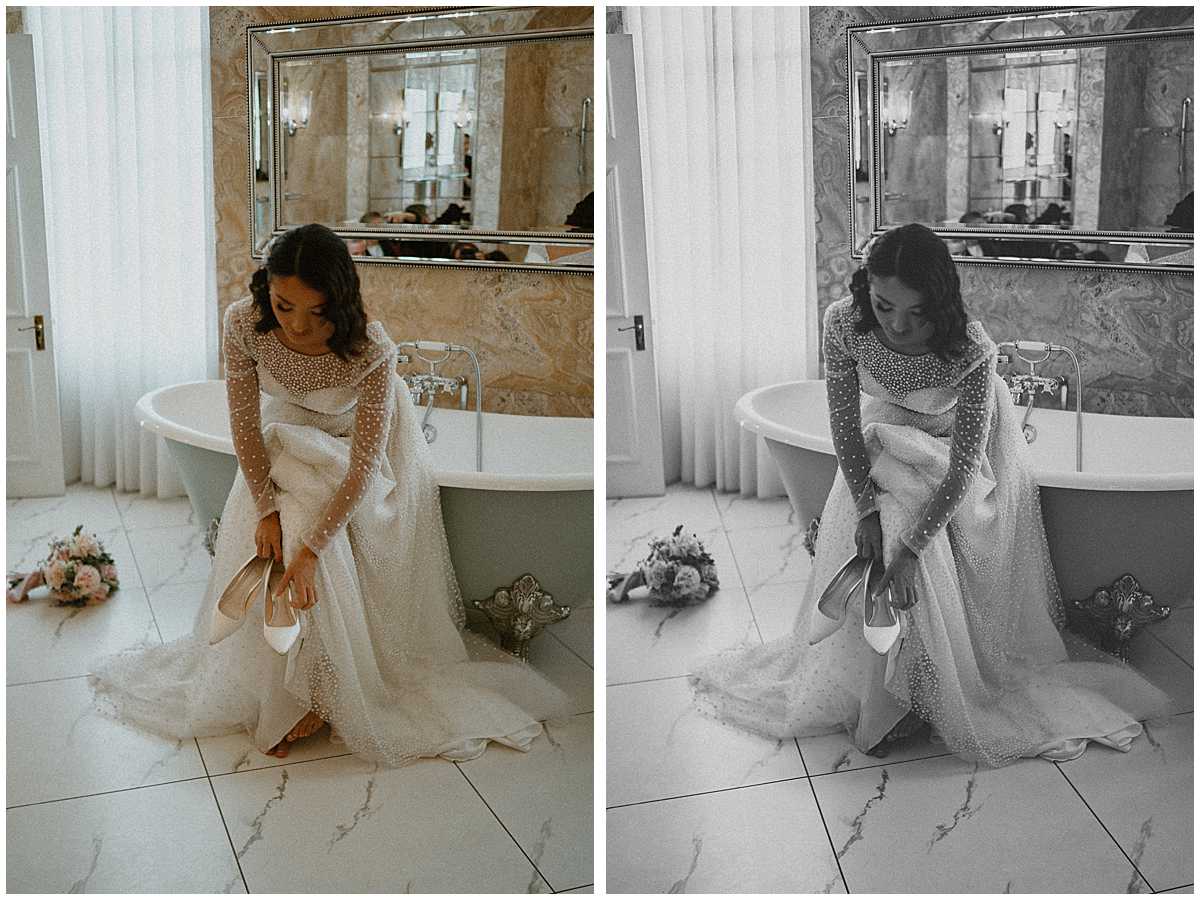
[519, 613]
[1112, 615]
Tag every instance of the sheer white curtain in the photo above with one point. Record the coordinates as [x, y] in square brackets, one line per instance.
[124, 104]
[726, 130]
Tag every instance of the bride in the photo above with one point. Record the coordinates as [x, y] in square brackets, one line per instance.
[935, 491]
[365, 622]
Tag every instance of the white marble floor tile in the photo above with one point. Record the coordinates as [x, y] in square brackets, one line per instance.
[27, 553]
[566, 670]
[346, 826]
[163, 839]
[659, 745]
[171, 554]
[58, 746]
[768, 556]
[1144, 797]
[684, 504]
[151, 512]
[230, 753]
[946, 825]
[837, 753]
[51, 517]
[1164, 669]
[646, 641]
[47, 641]
[576, 631]
[544, 798]
[765, 839]
[751, 512]
[1178, 633]
[175, 606]
[775, 607]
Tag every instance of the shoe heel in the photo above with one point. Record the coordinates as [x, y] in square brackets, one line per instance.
[281, 623]
[881, 628]
[836, 595]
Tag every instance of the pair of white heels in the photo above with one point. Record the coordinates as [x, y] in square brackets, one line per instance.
[257, 578]
[858, 576]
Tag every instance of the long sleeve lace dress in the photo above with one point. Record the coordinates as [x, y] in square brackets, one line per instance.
[936, 448]
[335, 448]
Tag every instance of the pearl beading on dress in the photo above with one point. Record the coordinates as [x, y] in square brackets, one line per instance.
[969, 373]
[372, 370]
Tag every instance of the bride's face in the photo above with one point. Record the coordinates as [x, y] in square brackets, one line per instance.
[901, 313]
[300, 311]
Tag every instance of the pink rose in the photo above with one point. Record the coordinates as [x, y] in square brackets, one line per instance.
[108, 572]
[99, 595]
[62, 553]
[55, 574]
[87, 579]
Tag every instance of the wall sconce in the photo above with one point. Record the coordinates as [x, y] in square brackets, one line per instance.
[896, 108]
[402, 116]
[462, 117]
[997, 129]
[296, 111]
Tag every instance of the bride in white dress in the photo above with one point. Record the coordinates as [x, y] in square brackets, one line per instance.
[335, 481]
[937, 484]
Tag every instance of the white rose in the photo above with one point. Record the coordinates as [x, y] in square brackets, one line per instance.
[55, 574]
[690, 545]
[84, 544]
[87, 579]
[687, 579]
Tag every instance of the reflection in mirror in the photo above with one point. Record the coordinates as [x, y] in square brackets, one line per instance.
[1070, 125]
[1069, 248]
[1086, 138]
[440, 128]
[494, 138]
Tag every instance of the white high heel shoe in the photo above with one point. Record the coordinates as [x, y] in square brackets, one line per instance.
[830, 613]
[881, 627]
[230, 611]
[281, 624]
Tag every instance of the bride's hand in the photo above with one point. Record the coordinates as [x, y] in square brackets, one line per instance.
[899, 574]
[868, 537]
[300, 574]
[268, 537]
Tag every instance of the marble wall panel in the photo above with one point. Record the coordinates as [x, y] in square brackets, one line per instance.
[533, 331]
[14, 20]
[1132, 330]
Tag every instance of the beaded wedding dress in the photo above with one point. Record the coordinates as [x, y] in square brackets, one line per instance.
[983, 658]
[336, 449]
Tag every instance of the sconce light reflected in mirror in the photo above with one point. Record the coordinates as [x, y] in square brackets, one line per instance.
[401, 115]
[462, 116]
[295, 111]
[897, 104]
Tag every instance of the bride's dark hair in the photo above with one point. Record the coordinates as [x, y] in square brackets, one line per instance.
[320, 259]
[919, 258]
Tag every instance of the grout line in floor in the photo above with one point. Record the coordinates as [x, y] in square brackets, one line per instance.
[220, 812]
[500, 822]
[724, 790]
[1171, 650]
[1178, 888]
[648, 680]
[48, 680]
[567, 647]
[577, 887]
[138, 787]
[820, 812]
[1100, 822]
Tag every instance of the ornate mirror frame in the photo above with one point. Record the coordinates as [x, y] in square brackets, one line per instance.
[870, 46]
[268, 46]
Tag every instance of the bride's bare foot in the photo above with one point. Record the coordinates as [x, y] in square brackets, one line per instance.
[310, 724]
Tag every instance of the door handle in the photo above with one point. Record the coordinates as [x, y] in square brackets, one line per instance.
[639, 332]
[39, 332]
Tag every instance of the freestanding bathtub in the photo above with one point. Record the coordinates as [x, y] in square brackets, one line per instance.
[1128, 511]
[528, 511]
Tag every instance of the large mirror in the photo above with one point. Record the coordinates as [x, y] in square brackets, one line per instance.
[1052, 137]
[451, 136]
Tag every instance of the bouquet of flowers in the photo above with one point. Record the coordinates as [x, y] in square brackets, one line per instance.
[678, 572]
[78, 571]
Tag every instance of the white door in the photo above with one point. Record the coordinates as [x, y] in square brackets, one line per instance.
[634, 429]
[32, 426]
